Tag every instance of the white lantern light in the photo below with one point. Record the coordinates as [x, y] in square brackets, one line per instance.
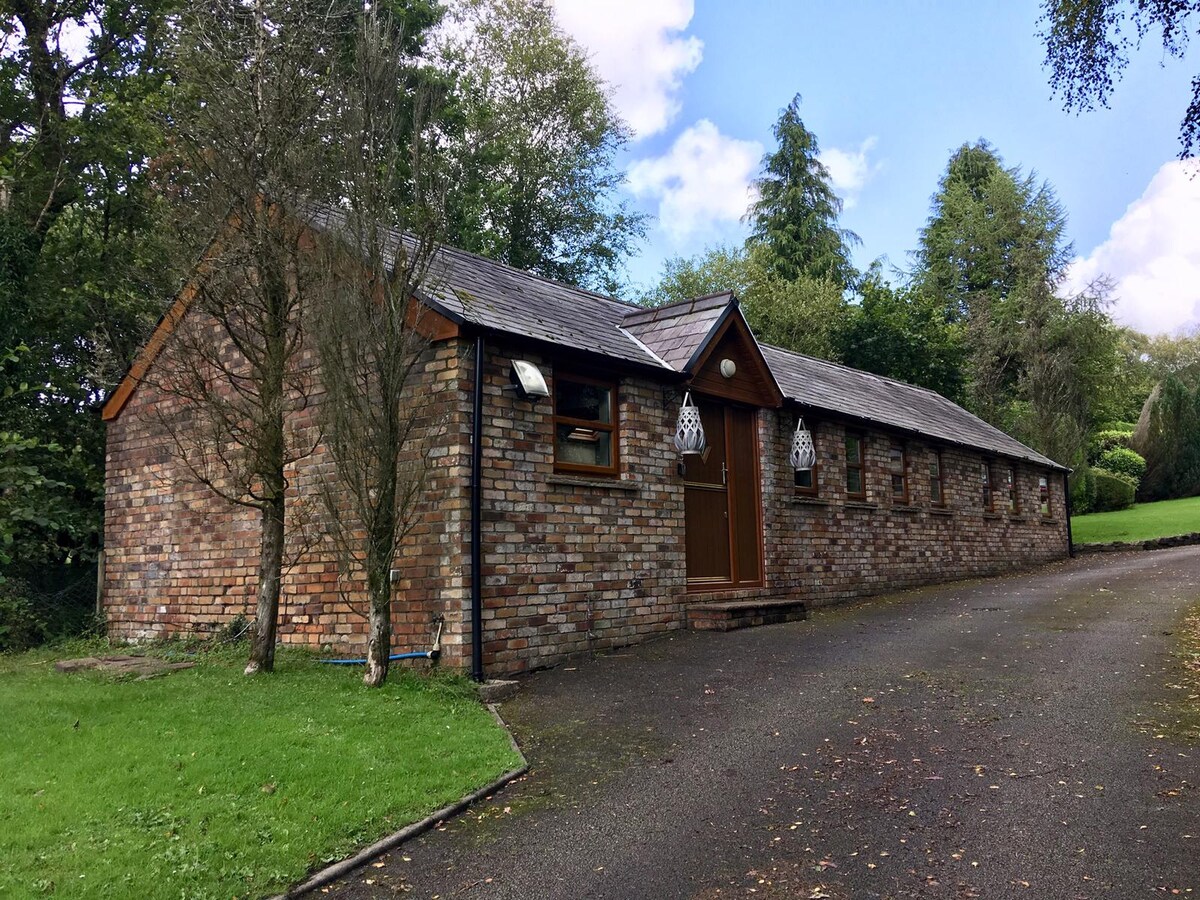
[804, 455]
[689, 431]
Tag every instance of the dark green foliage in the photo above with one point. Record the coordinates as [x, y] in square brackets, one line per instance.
[529, 138]
[1123, 461]
[1168, 436]
[82, 248]
[1037, 365]
[794, 221]
[1108, 439]
[20, 626]
[801, 315]
[904, 334]
[1088, 43]
[1083, 490]
[1113, 491]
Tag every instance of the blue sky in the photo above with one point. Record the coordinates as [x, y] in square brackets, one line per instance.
[890, 90]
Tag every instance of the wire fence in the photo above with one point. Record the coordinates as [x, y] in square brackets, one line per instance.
[47, 605]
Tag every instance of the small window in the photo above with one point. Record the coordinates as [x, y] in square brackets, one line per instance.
[856, 485]
[985, 483]
[937, 487]
[1010, 488]
[585, 425]
[898, 469]
[1044, 495]
[806, 481]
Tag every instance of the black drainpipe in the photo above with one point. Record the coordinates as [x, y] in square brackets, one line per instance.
[1067, 498]
[476, 494]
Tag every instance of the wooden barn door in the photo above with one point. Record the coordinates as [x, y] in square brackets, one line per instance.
[721, 502]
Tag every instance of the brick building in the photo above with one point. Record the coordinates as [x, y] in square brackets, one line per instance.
[594, 531]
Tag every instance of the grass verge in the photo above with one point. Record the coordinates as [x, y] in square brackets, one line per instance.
[205, 783]
[1138, 523]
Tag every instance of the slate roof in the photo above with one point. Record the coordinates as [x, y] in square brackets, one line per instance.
[676, 332]
[473, 289]
[827, 386]
[477, 291]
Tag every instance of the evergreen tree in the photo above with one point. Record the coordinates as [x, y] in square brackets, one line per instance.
[794, 221]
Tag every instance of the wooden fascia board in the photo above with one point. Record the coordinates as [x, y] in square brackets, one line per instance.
[436, 323]
[732, 318]
[166, 325]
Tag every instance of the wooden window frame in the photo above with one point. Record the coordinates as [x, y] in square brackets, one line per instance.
[904, 498]
[988, 490]
[861, 465]
[1014, 496]
[814, 489]
[939, 480]
[613, 428]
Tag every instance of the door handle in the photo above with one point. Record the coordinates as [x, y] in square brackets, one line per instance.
[724, 473]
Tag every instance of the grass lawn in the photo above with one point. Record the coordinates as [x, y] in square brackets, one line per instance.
[204, 783]
[1138, 523]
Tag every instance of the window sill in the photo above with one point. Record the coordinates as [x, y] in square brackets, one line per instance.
[1017, 517]
[940, 511]
[860, 504]
[615, 484]
[904, 508]
[992, 515]
[807, 501]
[1045, 520]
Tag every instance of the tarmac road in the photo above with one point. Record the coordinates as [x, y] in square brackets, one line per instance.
[1012, 737]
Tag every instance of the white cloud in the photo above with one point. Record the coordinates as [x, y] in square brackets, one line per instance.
[1153, 254]
[639, 48]
[702, 182]
[850, 170]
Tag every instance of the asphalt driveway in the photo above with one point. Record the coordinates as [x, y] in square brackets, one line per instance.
[1015, 737]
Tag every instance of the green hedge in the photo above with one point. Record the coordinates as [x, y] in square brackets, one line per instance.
[1103, 441]
[1083, 491]
[1113, 491]
[1124, 462]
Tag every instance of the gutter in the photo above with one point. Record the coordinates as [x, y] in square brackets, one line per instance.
[476, 504]
[1067, 500]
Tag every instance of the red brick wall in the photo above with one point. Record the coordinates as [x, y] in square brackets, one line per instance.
[181, 560]
[571, 563]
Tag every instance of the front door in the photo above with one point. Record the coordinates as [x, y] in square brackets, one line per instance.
[721, 501]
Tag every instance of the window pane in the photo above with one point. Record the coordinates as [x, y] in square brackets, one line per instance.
[898, 487]
[583, 446]
[896, 457]
[854, 481]
[592, 402]
[935, 490]
[804, 479]
[935, 467]
[853, 449]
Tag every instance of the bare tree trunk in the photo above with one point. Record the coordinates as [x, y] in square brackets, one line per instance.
[270, 567]
[379, 624]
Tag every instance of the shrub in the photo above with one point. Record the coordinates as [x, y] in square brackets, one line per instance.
[20, 626]
[1083, 491]
[1124, 462]
[1113, 491]
[1103, 441]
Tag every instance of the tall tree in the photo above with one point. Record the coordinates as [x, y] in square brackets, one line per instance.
[992, 256]
[1088, 43]
[81, 239]
[257, 94]
[530, 137]
[902, 333]
[376, 421]
[794, 221]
